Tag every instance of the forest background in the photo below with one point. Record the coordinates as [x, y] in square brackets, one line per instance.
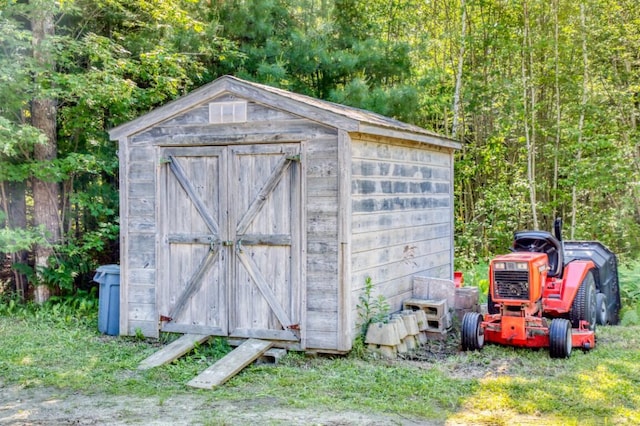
[543, 94]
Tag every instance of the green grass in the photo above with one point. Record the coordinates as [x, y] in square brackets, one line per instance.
[499, 385]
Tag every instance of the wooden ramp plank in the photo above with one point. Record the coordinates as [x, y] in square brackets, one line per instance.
[173, 350]
[231, 364]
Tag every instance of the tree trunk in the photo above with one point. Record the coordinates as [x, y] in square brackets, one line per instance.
[529, 133]
[556, 60]
[583, 104]
[43, 116]
[456, 95]
[15, 204]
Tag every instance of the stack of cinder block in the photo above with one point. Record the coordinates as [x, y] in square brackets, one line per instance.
[466, 300]
[434, 313]
[427, 315]
[436, 297]
[400, 334]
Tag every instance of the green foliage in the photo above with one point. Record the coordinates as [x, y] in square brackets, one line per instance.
[79, 308]
[478, 276]
[78, 256]
[117, 59]
[371, 309]
[15, 240]
[630, 294]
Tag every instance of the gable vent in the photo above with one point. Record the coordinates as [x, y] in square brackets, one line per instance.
[227, 112]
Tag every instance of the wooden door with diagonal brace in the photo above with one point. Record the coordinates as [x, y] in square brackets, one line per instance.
[229, 260]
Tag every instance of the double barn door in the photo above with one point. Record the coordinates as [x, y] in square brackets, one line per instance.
[229, 258]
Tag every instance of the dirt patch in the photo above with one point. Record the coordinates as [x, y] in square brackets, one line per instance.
[45, 406]
[49, 406]
[435, 349]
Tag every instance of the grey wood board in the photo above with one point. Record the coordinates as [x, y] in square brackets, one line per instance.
[147, 328]
[173, 350]
[231, 364]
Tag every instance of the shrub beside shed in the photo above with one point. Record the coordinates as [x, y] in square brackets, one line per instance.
[251, 212]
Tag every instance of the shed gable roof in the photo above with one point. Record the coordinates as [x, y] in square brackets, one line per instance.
[328, 113]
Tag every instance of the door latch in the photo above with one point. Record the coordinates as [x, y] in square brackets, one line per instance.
[227, 243]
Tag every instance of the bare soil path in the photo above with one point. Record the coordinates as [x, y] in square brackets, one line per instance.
[43, 406]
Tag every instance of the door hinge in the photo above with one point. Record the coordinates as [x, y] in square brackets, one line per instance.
[295, 157]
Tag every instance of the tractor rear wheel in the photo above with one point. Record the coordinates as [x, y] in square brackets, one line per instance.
[472, 332]
[584, 304]
[560, 342]
[602, 314]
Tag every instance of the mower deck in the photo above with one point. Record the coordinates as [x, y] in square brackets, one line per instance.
[531, 332]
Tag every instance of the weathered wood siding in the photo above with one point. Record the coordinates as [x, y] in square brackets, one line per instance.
[402, 216]
[138, 239]
[321, 159]
[312, 199]
[141, 165]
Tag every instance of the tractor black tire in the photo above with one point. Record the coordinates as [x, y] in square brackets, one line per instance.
[492, 309]
[602, 313]
[614, 314]
[584, 304]
[560, 342]
[472, 334]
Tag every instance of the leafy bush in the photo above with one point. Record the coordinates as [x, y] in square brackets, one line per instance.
[630, 294]
[478, 276]
[81, 307]
[78, 256]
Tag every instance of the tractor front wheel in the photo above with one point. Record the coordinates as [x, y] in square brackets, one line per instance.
[602, 314]
[560, 342]
[583, 307]
[472, 332]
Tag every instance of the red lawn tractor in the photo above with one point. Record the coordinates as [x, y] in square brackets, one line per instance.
[547, 293]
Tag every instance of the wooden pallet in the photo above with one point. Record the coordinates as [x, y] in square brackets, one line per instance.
[173, 350]
[231, 364]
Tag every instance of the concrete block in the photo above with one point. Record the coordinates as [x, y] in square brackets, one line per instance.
[466, 297]
[410, 342]
[385, 334]
[437, 309]
[410, 322]
[400, 328]
[389, 352]
[434, 289]
[434, 308]
[402, 347]
[436, 324]
[421, 318]
[272, 356]
[422, 338]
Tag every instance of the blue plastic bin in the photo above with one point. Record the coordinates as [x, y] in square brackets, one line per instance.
[108, 276]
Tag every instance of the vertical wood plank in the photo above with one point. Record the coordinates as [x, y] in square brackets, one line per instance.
[300, 229]
[452, 211]
[123, 150]
[344, 238]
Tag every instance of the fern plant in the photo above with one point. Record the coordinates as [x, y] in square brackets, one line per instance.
[630, 294]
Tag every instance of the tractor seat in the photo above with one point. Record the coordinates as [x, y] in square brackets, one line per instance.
[541, 242]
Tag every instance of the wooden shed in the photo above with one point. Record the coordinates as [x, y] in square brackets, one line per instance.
[249, 211]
